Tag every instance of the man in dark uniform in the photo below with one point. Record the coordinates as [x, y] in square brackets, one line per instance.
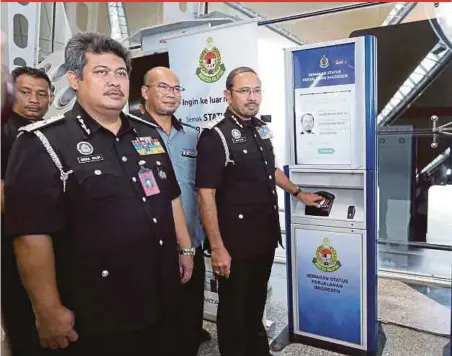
[237, 178]
[33, 98]
[94, 205]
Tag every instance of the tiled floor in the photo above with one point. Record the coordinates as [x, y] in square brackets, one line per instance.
[399, 342]
[399, 304]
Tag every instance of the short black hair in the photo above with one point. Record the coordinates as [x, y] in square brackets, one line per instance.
[89, 42]
[32, 72]
[307, 114]
[235, 72]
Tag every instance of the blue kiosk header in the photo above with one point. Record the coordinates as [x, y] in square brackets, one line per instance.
[331, 250]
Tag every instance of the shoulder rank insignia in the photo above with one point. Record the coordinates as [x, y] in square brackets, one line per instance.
[43, 123]
[214, 123]
[143, 121]
[261, 121]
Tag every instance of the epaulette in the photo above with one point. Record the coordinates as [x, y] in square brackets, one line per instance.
[41, 124]
[214, 123]
[261, 121]
[143, 121]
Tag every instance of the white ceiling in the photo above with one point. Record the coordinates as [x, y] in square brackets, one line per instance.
[278, 9]
[333, 26]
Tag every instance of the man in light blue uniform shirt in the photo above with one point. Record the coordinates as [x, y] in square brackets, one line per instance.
[162, 92]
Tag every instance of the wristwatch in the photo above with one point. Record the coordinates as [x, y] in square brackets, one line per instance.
[187, 251]
[295, 193]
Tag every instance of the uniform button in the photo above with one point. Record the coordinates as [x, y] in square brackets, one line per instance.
[261, 148]
[158, 163]
[266, 162]
[269, 177]
[154, 220]
[240, 216]
[134, 179]
[117, 139]
[274, 192]
[124, 158]
[105, 273]
[97, 172]
[79, 117]
[275, 207]
[161, 243]
[245, 151]
[144, 199]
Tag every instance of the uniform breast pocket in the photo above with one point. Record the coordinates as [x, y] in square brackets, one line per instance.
[185, 167]
[98, 183]
[247, 162]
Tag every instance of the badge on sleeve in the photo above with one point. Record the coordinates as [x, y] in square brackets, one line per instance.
[148, 146]
[148, 182]
[264, 132]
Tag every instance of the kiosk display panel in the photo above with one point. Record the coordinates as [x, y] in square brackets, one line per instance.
[331, 248]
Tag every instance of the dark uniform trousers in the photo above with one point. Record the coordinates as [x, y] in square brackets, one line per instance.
[115, 246]
[192, 309]
[249, 225]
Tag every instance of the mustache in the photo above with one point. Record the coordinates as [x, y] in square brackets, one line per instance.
[250, 103]
[114, 91]
[32, 107]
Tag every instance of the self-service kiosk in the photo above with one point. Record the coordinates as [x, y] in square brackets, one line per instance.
[331, 248]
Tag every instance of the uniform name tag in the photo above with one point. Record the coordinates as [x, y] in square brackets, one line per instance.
[264, 132]
[148, 146]
[189, 153]
[89, 159]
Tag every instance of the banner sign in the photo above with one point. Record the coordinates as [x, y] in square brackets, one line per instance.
[202, 61]
[329, 284]
[324, 89]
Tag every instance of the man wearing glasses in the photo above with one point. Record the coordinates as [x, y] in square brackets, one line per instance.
[162, 93]
[237, 178]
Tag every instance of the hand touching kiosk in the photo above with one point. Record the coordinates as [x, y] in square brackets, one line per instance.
[332, 283]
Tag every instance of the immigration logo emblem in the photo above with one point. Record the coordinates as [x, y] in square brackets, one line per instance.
[211, 67]
[324, 62]
[326, 259]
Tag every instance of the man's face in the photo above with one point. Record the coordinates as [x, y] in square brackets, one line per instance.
[162, 92]
[33, 97]
[105, 83]
[307, 122]
[245, 96]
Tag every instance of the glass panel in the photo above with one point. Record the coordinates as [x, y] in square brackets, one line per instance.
[20, 24]
[414, 260]
[62, 70]
[82, 16]
[65, 98]
[19, 61]
[183, 7]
